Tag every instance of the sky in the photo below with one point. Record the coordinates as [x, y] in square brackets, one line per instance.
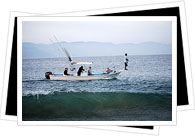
[110, 31]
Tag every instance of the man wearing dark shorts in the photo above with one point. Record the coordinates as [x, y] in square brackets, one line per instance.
[126, 61]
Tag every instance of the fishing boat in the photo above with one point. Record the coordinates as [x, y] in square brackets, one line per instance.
[84, 75]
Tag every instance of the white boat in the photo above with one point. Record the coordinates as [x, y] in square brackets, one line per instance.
[84, 76]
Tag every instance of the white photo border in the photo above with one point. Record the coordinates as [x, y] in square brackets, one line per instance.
[180, 4]
[105, 123]
[154, 131]
[129, 8]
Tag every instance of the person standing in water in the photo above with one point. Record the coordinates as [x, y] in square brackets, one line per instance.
[126, 61]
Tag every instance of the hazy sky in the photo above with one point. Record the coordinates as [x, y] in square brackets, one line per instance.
[114, 32]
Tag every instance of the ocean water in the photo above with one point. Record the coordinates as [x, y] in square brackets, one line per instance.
[143, 93]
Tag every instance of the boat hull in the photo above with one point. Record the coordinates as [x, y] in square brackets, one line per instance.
[78, 78]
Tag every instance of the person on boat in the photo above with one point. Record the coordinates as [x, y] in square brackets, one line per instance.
[89, 71]
[66, 72]
[80, 71]
[109, 70]
[126, 61]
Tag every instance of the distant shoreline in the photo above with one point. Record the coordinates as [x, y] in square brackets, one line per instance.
[99, 56]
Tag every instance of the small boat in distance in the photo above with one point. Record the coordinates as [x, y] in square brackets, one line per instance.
[84, 75]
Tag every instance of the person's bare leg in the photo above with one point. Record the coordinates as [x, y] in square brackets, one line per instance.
[126, 67]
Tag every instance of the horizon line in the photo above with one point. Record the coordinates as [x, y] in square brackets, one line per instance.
[100, 42]
[100, 56]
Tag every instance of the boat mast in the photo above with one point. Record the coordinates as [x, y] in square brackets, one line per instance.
[67, 54]
[63, 49]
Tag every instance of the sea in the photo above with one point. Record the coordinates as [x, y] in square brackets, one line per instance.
[141, 93]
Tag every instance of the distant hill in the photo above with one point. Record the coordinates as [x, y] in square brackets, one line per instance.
[79, 49]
